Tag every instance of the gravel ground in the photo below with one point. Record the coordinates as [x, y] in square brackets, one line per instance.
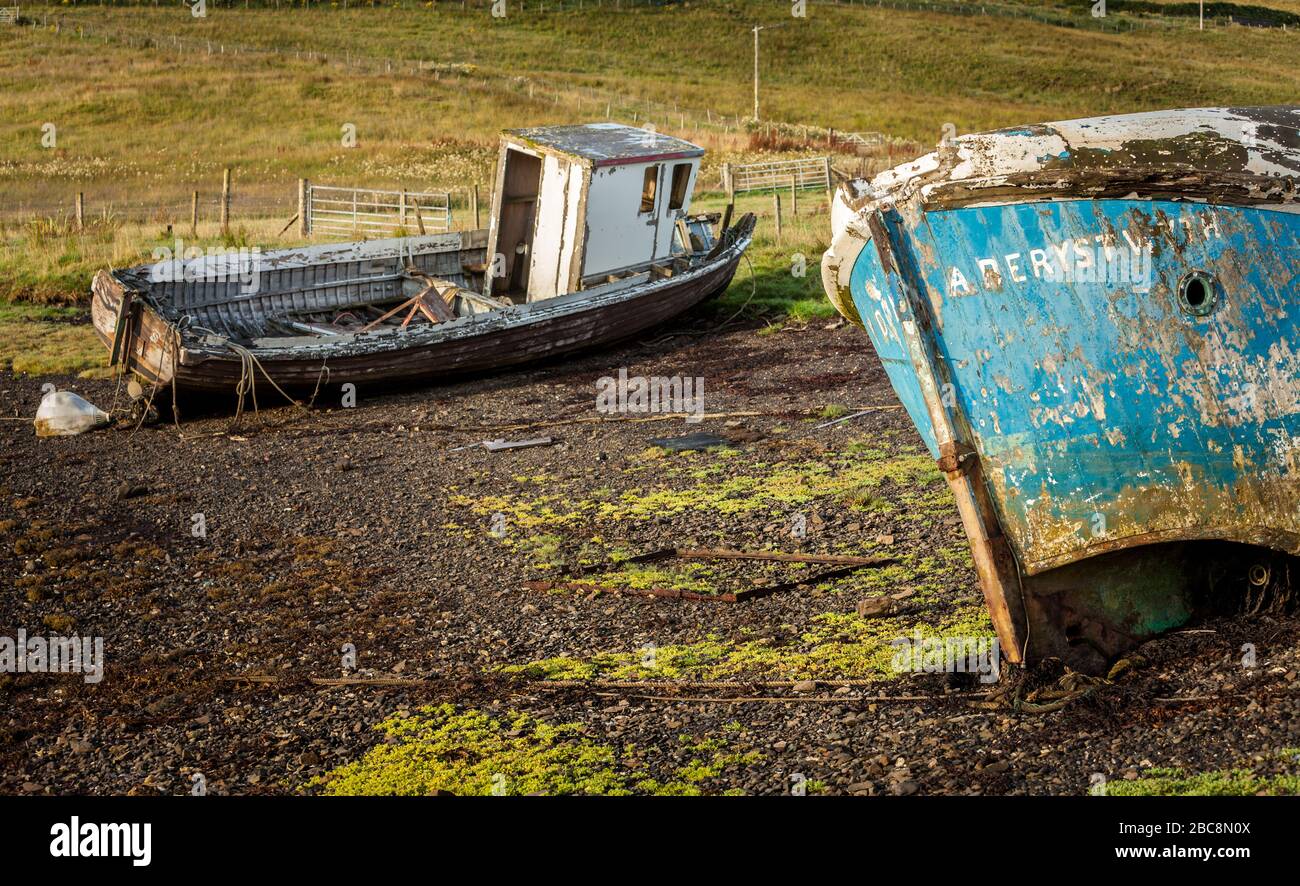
[367, 526]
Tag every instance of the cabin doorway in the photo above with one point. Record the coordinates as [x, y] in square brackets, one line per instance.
[520, 184]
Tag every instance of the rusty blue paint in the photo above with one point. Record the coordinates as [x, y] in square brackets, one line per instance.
[1106, 411]
[1093, 325]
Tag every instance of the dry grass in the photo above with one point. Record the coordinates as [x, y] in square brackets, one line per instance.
[139, 128]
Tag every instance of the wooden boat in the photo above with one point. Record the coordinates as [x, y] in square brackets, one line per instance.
[1095, 326]
[590, 241]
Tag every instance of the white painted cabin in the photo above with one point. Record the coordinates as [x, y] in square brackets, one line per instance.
[578, 206]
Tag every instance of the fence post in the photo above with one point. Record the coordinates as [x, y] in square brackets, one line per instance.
[304, 207]
[401, 209]
[474, 196]
[728, 183]
[81, 211]
[225, 201]
[776, 208]
[194, 214]
[827, 161]
[794, 193]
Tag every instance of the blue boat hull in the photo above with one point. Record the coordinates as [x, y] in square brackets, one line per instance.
[1112, 386]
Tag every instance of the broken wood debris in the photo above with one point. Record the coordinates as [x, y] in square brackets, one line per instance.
[640, 688]
[500, 445]
[836, 421]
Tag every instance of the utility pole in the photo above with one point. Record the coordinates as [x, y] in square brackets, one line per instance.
[1202, 15]
[756, 29]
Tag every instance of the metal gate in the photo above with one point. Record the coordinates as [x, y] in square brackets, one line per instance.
[812, 173]
[363, 213]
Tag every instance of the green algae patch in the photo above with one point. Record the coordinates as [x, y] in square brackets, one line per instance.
[776, 488]
[694, 577]
[1217, 783]
[837, 645]
[438, 749]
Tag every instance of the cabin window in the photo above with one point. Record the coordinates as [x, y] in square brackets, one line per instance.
[648, 187]
[681, 175]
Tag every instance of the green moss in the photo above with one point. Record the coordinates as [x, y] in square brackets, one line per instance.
[438, 749]
[1218, 783]
[695, 577]
[770, 489]
[836, 645]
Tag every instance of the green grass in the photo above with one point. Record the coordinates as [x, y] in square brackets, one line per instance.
[40, 340]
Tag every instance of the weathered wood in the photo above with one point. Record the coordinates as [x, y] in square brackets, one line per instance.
[225, 201]
[826, 559]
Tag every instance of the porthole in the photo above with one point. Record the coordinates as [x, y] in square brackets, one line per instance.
[1198, 294]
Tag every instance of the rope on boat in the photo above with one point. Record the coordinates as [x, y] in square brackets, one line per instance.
[249, 366]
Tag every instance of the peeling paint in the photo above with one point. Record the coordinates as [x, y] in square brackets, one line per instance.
[1107, 412]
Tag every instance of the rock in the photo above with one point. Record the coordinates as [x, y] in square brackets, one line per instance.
[862, 788]
[906, 788]
[127, 489]
[805, 686]
[874, 607]
[164, 704]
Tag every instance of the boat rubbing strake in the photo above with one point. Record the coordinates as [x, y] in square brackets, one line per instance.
[1093, 325]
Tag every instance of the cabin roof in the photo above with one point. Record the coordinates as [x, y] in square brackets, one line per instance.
[605, 144]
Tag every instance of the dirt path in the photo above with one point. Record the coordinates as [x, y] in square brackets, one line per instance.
[364, 526]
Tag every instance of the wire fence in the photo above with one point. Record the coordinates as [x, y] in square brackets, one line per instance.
[579, 100]
[1126, 17]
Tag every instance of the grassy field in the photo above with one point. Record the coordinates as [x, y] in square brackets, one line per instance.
[150, 103]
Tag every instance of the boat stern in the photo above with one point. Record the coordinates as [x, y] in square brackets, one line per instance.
[135, 335]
